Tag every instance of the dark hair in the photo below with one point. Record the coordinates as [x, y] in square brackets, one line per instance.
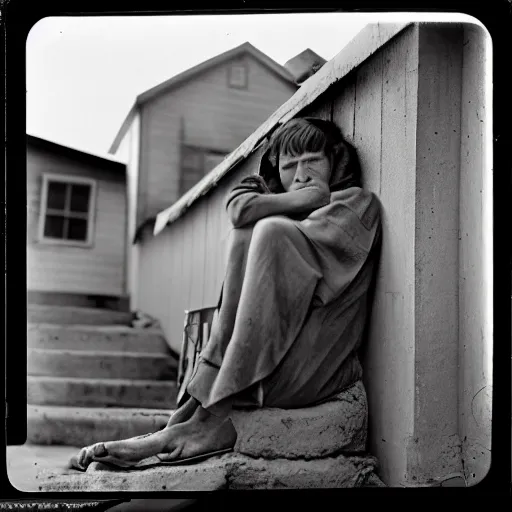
[304, 135]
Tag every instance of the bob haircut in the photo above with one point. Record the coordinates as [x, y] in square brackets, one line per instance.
[304, 135]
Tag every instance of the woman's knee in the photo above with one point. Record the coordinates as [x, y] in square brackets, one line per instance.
[273, 227]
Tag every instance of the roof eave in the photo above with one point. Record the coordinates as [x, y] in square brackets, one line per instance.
[76, 153]
[128, 120]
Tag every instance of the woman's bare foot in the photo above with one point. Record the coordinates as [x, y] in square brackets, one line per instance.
[184, 413]
[132, 449]
[202, 433]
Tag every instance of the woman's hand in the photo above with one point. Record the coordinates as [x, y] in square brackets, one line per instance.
[246, 205]
[256, 184]
[311, 197]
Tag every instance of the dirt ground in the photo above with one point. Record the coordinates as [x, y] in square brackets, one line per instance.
[24, 462]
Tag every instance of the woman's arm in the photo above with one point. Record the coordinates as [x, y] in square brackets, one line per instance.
[246, 206]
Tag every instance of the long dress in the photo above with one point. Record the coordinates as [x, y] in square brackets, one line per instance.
[294, 305]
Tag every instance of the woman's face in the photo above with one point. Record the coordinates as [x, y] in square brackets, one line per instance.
[308, 169]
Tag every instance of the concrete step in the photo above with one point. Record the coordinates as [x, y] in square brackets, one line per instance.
[37, 313]
[101, 365]
[80, 426]
[118, 338]
[116, 303]
[83, 392]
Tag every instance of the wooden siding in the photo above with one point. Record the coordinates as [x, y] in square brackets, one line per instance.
[99, 269]
[203, 112]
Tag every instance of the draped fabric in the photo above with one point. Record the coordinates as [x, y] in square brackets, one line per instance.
[294, 301]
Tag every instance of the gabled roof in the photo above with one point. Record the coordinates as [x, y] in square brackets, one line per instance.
[76, 154]
[179, 79]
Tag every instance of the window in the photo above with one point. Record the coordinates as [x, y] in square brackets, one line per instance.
[196, 163]
[67, 208]
[238, 75]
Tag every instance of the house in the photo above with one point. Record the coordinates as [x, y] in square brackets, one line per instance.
[76, 226]
[413, 99]
[178, 131]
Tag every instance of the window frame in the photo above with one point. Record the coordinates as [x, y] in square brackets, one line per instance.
[241, 64]
[68, 180]
[204, 151]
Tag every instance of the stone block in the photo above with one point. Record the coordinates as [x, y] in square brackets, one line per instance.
[327, 473]
[231, 471]
[209, 475]
[337, 426]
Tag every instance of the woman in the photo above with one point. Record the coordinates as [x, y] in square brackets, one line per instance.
[294, 302]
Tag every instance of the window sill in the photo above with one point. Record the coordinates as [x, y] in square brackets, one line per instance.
[64, 243]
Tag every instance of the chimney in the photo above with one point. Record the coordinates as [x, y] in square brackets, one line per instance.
[304, 65]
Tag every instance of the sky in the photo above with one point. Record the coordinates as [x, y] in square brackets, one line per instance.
[84, 73]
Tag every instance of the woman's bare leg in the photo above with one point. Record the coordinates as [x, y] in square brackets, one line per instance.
[183, 413]
[204, 432]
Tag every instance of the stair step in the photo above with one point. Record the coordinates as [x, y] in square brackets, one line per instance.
[96, 338]
[37, 313]
[81, 426]
[100, 365]
[83, 392]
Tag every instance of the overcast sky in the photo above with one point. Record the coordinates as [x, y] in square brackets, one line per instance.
[83, 74]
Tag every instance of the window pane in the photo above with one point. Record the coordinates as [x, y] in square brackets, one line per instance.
[77, 229]
[56, 195]
[80, 195]
[54, 226]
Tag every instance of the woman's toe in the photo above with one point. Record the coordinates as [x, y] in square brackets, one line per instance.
[99, 450]
[176, 453]
[87, 454]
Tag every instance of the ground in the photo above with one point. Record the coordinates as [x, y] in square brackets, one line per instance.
[24, 462]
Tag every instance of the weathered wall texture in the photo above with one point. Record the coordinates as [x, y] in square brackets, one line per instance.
[99, 269]
[475, 258]
[425, 356]
[435, 445]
